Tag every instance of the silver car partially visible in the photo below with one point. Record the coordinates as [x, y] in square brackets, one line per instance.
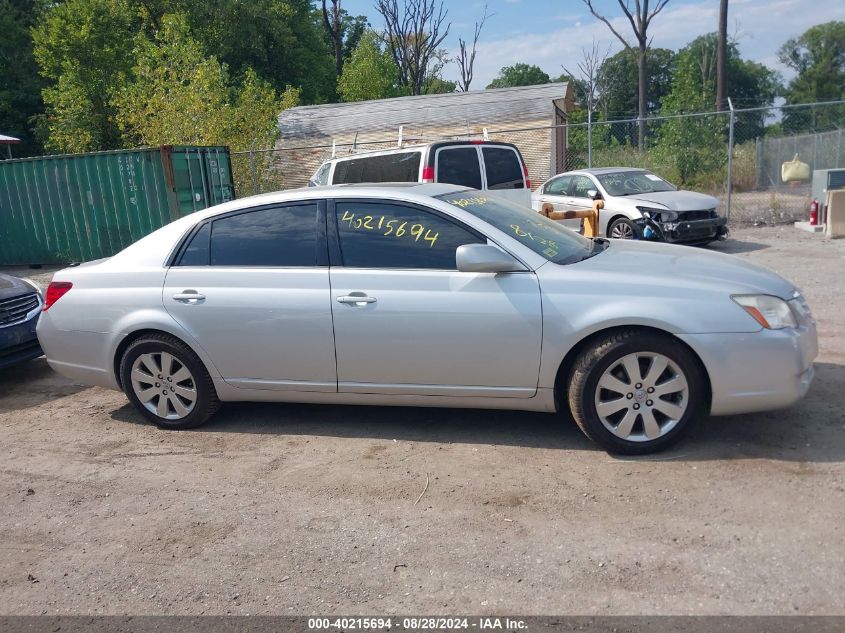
[637, 205]
[428, 295]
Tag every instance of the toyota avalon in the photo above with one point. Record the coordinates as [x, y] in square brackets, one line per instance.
[428, 295]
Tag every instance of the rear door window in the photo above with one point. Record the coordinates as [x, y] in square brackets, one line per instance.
[398, 167]
[270, 237]
[459, 166]
[503, 168]
[580, 186]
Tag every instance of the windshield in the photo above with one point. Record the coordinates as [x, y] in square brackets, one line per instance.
[629, 183]
[543, 236]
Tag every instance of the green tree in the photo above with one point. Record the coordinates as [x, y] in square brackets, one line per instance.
[818, 58]
[617, 84]
[434, 82]
[341, 30]
[438, 85]
[519, 75]
[370, 73]
[84, 50]
[749, 84]
[281, 40]
[20, 90]
[695, 147]
[639, 17]
[181, 96]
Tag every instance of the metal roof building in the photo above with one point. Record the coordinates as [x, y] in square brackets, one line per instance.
[376, 124]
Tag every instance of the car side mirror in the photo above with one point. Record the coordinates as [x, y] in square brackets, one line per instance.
[485, 258]
[592, 194]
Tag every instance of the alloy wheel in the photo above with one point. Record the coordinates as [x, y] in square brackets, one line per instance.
[164, 385]
[622, 231]
[641, 396]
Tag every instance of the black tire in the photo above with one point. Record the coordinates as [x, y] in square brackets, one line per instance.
[592, 363]
[206, 403]
[624, 225]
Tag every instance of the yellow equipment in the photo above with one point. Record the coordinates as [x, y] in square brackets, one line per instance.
[591, 217]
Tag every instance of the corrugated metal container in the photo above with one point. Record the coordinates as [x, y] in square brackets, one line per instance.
[79, 207]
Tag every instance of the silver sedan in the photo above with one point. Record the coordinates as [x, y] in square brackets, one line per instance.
[428, 295]
[637, 205]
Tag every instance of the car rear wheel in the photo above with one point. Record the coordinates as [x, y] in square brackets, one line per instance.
[635, 392]
[167, 382]
[622, 229]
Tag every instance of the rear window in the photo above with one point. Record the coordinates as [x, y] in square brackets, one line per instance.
[503, 168]
[459, 166]
[196, 253]
[276, 236]
[399, 167]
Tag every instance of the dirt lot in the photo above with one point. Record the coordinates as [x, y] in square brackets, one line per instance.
[291, 509]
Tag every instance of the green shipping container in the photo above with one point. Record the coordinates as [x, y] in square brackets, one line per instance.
[79, 207]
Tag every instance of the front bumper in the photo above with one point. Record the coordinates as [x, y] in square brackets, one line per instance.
[18, 342]
[694, 230]
[758, 371]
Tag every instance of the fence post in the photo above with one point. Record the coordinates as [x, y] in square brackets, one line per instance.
[730, 158]
[253, 168]
[759, 163]
[589, 138]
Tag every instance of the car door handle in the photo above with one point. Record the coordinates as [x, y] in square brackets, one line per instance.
[189, 296]
[358, 300]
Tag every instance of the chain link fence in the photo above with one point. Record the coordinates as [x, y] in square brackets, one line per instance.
[735, 155]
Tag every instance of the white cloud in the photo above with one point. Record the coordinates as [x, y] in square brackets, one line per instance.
[762, 26]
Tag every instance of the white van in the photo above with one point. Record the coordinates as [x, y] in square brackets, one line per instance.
[485, 165]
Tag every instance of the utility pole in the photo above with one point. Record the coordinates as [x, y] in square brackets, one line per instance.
[730, 157]
[722, 56]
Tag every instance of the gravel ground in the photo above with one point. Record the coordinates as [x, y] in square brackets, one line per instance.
[295, 509]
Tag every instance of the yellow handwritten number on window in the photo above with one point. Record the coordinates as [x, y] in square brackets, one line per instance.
[370, 223]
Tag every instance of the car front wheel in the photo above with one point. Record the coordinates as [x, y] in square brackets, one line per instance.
[167, 382]
[635, 392]
[622, 229]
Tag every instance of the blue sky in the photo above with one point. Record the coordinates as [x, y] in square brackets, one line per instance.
[549, 33]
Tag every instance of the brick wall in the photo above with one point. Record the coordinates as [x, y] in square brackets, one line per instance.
[293, 167]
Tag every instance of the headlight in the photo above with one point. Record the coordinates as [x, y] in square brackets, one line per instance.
[659, 214]
[771, 312]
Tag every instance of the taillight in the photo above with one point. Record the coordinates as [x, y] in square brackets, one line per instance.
[428, 174]
[476, 141]
[525, 173]
[55, 291]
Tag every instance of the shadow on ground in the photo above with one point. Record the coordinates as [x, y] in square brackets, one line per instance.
[732, 246]
[811, 431]
[32, 384]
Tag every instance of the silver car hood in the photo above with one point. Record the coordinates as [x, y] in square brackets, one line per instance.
[685, 267]
[677, 200]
